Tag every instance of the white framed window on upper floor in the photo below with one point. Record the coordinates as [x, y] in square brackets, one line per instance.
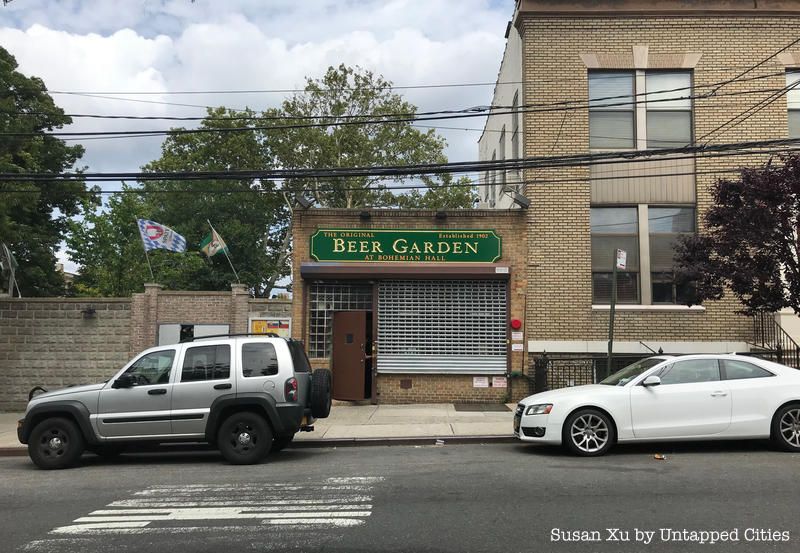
[640, 109]
[648, 233]
[793, 103]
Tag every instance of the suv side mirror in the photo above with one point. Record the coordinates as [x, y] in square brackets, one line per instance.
[652, 380]
[124, 381]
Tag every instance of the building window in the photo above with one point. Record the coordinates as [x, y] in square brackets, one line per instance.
[793, 103]
[615, 228]
[669, 114]
[616, 109]
[666, 224]
[611, 125]
[325, 297]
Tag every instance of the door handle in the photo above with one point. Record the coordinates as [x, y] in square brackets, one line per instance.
[226, 386]
[719, 394]
[157, 392]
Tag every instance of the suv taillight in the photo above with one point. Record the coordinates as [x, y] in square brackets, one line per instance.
[290, 389]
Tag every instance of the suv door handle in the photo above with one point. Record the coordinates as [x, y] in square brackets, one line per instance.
[719, 394]
[157, 392]
[226, 386]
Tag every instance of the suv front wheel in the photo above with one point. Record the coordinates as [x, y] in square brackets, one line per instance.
[55, 443]
[244, 438]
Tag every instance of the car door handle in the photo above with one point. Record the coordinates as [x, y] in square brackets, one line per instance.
[157, 392]
[226, 386]
[719, 394]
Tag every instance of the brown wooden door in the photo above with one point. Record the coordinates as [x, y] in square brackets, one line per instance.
[348, 355]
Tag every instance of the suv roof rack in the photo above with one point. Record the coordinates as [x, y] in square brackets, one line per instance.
[262, 334]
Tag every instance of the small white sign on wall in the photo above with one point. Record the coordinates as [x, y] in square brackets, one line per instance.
[517, 347]
[480, 381]
[516, 336]
[499, 382]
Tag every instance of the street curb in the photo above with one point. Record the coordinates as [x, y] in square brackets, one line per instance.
[421, 440]
[337, 442]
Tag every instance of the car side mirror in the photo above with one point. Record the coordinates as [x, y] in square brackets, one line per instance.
[124, 381]
[651, 380]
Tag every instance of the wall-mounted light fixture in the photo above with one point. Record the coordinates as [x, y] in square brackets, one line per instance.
[441, 215]
[89, 312]
[365, 215]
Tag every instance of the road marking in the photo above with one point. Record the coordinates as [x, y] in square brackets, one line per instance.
[338, 502]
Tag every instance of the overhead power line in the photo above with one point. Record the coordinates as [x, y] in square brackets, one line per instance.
[395, 171]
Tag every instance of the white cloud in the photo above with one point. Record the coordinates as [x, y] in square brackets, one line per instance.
[177, 45]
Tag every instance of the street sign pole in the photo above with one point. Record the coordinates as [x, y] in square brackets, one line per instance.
[620, 260]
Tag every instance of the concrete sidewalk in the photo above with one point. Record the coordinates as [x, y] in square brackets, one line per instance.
[365, 425]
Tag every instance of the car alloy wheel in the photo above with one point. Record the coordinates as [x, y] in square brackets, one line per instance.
[589, 432]
[789, 427]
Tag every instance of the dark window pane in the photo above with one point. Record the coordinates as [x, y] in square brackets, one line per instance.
[611, 129]
[614, 220]
[604, 252]
[670, 219]
[690, 371]
[222, 366]
[259, 360]
[669, 129]
[206, 363]
[739, 370]
[611, 88]
[627, 287]
[153, 368]
[663, 288]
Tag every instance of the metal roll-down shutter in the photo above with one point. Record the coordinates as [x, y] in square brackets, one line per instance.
[442, 326]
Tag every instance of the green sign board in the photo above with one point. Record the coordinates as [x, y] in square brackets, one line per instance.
[406, 246]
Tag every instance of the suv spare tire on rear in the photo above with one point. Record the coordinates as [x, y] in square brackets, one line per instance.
[321, 393]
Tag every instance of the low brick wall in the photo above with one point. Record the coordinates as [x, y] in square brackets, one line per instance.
[444, 388]
[51, 342]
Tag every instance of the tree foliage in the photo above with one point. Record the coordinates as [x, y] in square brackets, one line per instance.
[344, 95]
[750, 241]
[34, 217]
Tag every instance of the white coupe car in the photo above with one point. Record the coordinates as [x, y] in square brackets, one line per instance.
[663, 398]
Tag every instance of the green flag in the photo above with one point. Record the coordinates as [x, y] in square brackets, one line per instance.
[213, 244]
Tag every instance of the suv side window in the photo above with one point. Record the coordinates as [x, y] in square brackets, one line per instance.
[299, 357]
[738, 370]
[259, 360]
[206, 363]
[691, 371]
[153, 368]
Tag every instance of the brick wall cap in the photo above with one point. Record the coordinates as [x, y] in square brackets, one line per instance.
[379, 213]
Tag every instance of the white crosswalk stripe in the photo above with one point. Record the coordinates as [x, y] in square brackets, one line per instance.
[334, 503]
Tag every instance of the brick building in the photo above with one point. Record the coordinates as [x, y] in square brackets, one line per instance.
[603, 68]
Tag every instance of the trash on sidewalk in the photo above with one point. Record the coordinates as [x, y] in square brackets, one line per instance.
[660, 457]
[439, 442]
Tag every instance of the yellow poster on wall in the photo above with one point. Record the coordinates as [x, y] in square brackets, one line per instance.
[279, 327]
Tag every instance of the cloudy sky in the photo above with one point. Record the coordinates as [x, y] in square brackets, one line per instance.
[107, 47]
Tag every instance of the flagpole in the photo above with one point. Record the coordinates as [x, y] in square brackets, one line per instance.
[147, 257]
[225, 251]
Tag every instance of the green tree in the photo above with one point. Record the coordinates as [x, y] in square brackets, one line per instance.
[344, 95]
[34, 216]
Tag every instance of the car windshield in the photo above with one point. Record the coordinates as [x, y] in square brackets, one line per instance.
[623, 376]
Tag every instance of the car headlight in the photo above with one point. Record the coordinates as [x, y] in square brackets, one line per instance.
[540, 409]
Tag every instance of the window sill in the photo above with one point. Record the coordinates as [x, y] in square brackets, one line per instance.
[639, 307]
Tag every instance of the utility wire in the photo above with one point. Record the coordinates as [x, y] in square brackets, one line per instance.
[580, 160]
[469, 113]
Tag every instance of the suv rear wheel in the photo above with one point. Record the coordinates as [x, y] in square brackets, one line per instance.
[244, 438]
[321, 393]
[55, 443]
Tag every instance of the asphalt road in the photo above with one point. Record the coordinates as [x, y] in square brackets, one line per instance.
[459, 498]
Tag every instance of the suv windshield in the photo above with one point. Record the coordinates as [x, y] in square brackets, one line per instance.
[623, 376]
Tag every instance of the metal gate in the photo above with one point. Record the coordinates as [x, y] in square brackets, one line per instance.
[442, 326]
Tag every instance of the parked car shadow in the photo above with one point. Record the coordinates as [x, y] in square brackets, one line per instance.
[652, 448]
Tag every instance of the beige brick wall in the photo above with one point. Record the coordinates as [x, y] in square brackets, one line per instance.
[49, 342]
[559, 277]
[509, 225]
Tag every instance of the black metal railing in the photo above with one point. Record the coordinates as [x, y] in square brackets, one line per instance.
[771, 341]
[550, 373]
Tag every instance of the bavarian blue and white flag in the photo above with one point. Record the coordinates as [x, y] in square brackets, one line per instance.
[155, 236]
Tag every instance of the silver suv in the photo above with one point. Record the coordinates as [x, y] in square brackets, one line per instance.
[246, 395]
